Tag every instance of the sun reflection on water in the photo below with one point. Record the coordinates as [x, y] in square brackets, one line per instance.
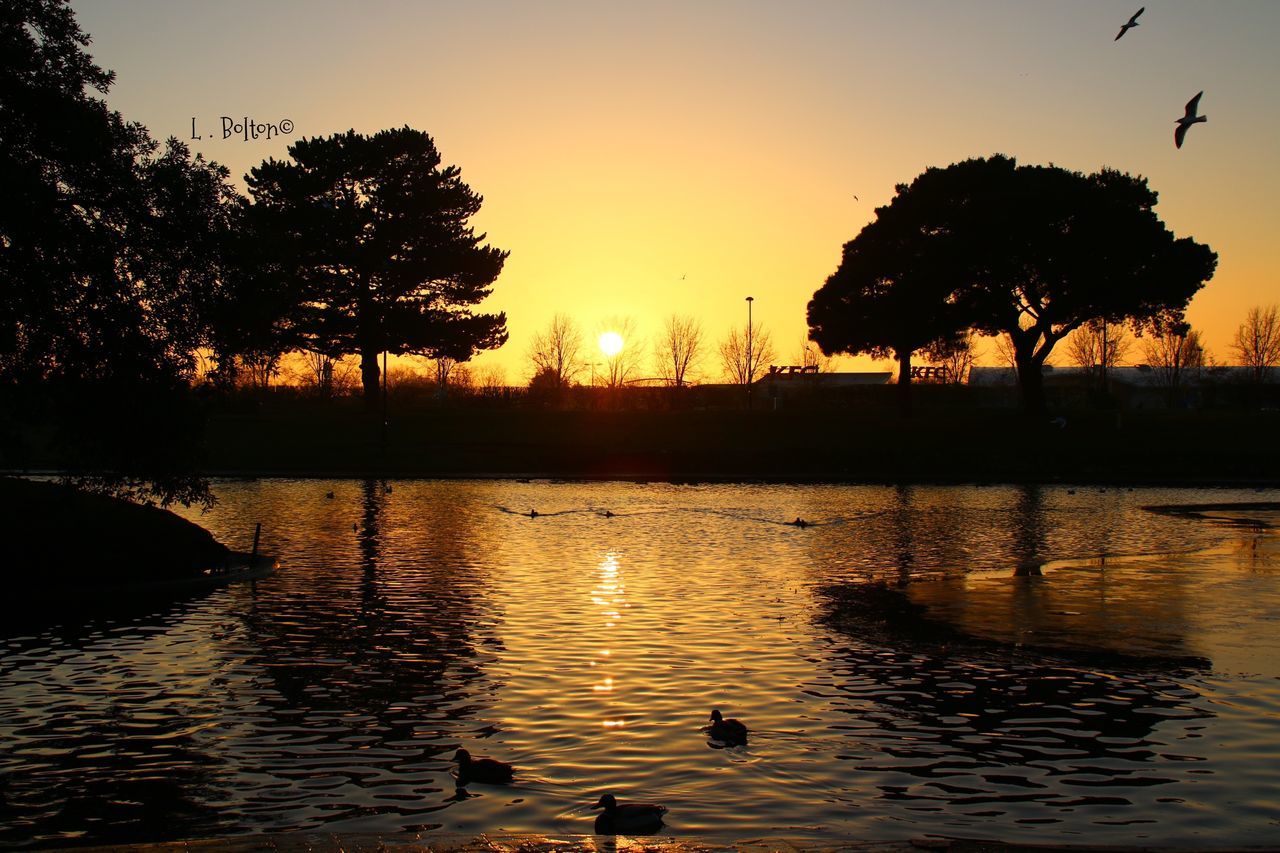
[610, 596]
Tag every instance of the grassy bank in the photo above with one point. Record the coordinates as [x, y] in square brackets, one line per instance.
[56, 537]
[295, 437]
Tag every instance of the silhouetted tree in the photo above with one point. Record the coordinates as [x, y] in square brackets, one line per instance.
[325, 374]
[557, 353]
[257, 314]
[1174, 351]
[622, 366]
[1035, 252]
[1257, 341]
[957, 354]
[893, 293]
[375, 236]
[1099, 346]
[744, 355]
[491, 380]
[678, 349]
[809, 354]
[110, 256]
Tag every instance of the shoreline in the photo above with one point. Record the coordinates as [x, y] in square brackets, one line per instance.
[427, 842]
[698, 479]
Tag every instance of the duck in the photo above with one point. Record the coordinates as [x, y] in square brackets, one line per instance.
[488, 771]
[628, 818]
[799, 522]
[729, 731]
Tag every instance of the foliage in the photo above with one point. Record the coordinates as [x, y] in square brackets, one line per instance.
[957, 354]
[1257, 341]
[1030, 252]
[372, 234]
[893, 293]
[110, 260]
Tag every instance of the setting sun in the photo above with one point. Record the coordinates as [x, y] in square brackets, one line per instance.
[610, 343]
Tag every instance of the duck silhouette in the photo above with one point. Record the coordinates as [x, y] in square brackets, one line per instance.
[799, 522]
[629, 818]
[487, 771]
[728, 731]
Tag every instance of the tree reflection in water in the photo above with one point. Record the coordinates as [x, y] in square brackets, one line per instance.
[984, 725]
[376, 675]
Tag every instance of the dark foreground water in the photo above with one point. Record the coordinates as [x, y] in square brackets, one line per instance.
[1016, 663]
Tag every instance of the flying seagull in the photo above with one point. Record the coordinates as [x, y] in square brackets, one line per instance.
[1133, 22]
[1187, 120]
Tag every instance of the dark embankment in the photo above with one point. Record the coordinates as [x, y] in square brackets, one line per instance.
[303, 438]
[53, 536]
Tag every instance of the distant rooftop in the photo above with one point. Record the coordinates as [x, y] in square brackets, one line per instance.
[796, 375]
[1139, 376]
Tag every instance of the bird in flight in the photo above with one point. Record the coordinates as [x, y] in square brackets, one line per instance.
[1187, 120]
[1133, 22]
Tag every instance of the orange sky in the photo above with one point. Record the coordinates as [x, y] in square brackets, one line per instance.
[680, 156]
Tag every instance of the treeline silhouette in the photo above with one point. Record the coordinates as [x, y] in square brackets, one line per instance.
[120, 260]
[128, 269]
[1029, 252]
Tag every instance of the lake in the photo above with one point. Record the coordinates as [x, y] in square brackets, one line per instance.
[1045, 664]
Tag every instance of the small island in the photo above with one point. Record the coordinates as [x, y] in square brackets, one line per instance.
[59, 537]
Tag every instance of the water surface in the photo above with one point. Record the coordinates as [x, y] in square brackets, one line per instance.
[1045, 664]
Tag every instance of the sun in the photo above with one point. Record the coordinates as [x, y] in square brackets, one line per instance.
[610, 343]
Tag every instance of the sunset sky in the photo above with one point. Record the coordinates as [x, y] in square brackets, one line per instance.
[643, 159]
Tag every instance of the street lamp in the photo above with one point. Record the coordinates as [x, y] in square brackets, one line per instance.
[750, 299]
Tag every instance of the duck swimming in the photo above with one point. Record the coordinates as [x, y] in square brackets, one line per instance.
[487, 771]
[627, 819]
[729, 731]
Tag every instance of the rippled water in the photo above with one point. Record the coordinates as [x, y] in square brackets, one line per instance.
[1036, 664]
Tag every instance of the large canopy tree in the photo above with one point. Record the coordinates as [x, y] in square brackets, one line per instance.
[892, 295]
[109, 255]
[373, 233]
[1034, 252]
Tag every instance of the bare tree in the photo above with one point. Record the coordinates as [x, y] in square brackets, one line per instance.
[743, 365]
[442, 368]
[678, 350]
[1257, 341]
[491, 380]
[1174, 352]
[1099, 346]
[810, 355]
[257, 369]
[621, 366]
[329, 375]
[1007, 356]
[557, 352]
[957, 355]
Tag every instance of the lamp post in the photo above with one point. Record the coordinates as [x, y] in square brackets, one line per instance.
[748, 373]
[384, 405]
